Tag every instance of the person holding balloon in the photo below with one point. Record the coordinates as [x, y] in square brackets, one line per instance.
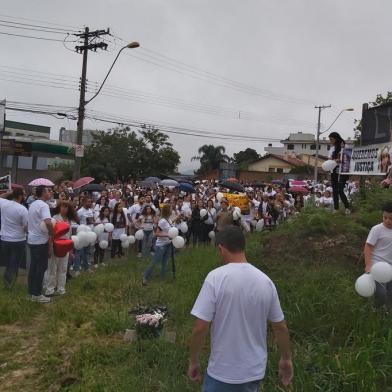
[99, 253]
[163, 246]
[120, 222]
[147, 220]
[57, 265]
[378, 258]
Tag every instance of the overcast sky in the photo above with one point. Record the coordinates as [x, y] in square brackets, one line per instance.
[297, 53]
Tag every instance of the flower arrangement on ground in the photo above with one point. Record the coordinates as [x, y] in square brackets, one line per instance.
[149, 321]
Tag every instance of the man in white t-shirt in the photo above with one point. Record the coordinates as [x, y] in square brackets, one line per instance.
[378, 248]
[40, 234]
[238, 300]
[13, 235]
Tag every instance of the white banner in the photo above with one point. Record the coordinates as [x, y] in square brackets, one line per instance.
[5, 183]
[371, 160]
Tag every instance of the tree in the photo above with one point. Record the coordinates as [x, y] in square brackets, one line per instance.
[210, 158]
[243, 158]
[380, 100]
[121, 153]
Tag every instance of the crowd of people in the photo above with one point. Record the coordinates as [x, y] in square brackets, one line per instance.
[131, 207]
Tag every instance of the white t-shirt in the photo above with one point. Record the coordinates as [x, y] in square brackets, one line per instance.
[381, 238]
[38, 212]
[164, 225]
[13, 221]
[86, 216]
[325, 201]
[238, 299]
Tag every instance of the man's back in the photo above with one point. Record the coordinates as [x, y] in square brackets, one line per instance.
[239, 300]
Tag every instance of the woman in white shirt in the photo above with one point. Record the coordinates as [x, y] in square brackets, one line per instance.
[163, 246]
[147, 220]
[99, 254]
[326, 201]
[120, 222]
[57, 266]
[208, 224]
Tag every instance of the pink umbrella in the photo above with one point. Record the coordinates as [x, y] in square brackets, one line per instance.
[298, 189]
[82, 182]
[41, 181]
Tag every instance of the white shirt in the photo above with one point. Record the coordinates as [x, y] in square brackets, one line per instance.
[381, 238]
[38, 212]
[134, 210]
[238, 299]
[325, 201]
[164, 225]
[13, 221]
[86, 216]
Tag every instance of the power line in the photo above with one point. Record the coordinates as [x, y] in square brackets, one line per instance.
[39, 21]
[33, 28]
[30, 36]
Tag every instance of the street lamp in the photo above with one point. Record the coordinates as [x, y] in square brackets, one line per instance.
[83, 102]
[318, 138]
[132, 45]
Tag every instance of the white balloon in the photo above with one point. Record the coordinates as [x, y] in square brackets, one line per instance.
[125, 244]
[103, 244]
[365, 285]
[99, 229]
[83, 238]
[139, 235]
[219, 196]
[211, 234]
[183, 227]
[92, 237]
[381, 272]
[236, 215]
[203, 212]
[109, 227]
[329, 165]
[237, 209]
[260, 225]
[131, 239]
[123, 237]
[178, 242]
[76, 241]
[173, 232]
[82, 228]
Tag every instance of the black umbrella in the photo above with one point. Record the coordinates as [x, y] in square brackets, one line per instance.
[92, 188]
[233, 186]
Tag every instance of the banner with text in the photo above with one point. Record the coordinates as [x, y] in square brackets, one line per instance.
[5, 183]
[371, 160]
[240, 201]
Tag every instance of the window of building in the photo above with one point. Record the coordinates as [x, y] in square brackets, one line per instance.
[290, 146]
[279, 170]
[271, 169]
[328, 147]
[312, 146]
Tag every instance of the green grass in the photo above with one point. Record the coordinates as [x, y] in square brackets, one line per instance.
[340, 344]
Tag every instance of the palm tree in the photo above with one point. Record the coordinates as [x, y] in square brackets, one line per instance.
[210, 157]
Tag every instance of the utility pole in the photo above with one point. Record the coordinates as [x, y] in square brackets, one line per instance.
[320, 108]
[83, 49]
[2, 132]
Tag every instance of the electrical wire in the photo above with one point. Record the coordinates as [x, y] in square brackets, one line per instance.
[34, 29]
[31, 37]
[39, 21]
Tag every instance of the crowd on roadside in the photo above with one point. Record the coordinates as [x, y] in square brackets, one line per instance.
[131, 207]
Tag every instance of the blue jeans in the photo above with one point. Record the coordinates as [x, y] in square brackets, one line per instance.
[161, 256]
[212, 385]
[38, 266]
[147, 242]
[81, 258]
[14, 256]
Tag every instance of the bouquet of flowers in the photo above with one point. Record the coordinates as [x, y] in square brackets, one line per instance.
[149, 321]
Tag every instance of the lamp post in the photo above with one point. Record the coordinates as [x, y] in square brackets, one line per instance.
[320, 133]
[83, 102]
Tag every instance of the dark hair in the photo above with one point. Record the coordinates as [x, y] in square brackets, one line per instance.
[117, 211]
[101, 216]
[338, 144]
[387, 207]
[40, 190]
[71, 214]
[232, 238]
[16, 193]
[144, 212]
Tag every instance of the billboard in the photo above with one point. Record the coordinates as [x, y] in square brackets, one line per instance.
[376, 125]
[370, 160]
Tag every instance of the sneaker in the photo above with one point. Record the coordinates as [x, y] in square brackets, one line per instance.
[95, 265]
[347, 212]
[144, 282]
[60, 292]
[139, 255]
[49, 293]
[40, 298]
[71, 268]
